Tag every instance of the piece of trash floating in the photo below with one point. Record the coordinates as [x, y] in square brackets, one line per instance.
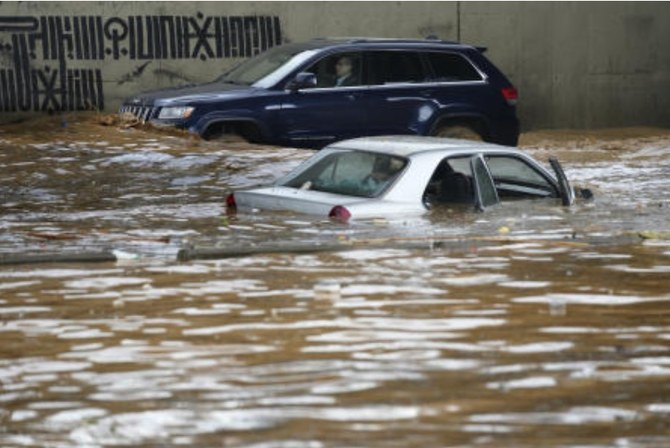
[327, 290]
[504, 230]
[557, 306]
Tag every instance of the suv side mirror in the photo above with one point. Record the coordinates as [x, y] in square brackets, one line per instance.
[303, 80]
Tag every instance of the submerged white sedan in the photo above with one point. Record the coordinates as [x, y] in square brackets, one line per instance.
[395, 176]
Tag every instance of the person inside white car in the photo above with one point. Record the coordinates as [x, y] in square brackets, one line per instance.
[383, 170]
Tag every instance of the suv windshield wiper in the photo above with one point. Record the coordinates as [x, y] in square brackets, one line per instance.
[230, 81]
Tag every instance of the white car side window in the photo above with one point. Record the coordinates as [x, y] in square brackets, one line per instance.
[515, 177]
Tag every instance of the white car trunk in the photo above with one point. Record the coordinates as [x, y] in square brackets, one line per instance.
[320, 203]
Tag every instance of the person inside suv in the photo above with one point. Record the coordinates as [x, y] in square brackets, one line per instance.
[344, 72]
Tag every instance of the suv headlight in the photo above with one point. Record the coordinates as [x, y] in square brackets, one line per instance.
[170, 113]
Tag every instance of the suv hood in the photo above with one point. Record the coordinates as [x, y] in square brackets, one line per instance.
[210, 92]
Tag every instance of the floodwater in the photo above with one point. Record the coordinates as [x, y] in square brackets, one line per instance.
[527, 325]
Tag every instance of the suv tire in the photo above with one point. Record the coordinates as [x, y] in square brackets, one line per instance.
[233, 132]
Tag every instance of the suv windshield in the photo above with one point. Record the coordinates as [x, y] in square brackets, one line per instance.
[267, 68]
[349, 173]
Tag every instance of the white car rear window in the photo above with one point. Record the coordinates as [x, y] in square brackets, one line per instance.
[349, 173]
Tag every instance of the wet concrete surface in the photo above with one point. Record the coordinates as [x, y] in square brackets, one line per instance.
[528, 325]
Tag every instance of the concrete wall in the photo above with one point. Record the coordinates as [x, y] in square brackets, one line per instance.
[576, 64]
[579, 64]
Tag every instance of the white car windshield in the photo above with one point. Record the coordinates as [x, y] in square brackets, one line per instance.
[347, 172]
[266, 69]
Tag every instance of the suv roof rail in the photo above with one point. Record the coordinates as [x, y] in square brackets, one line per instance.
[357, 40]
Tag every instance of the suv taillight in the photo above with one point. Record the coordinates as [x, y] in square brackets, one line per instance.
[510, 94]
[339, 213]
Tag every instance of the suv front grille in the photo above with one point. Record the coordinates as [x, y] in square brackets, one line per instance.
[144, 113]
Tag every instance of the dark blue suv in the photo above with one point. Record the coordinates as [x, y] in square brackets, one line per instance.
[314, 93]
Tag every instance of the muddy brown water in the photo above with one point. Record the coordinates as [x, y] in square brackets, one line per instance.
[528, 325]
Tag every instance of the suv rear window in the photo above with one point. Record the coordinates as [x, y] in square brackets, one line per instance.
[450, 67]
[388, 67]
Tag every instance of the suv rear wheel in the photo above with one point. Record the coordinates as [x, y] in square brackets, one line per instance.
[466, 131]
[233, 132]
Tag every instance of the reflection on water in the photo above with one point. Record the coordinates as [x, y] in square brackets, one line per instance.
[538, 326]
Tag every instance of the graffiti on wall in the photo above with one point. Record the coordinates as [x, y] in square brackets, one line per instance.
[42, 58]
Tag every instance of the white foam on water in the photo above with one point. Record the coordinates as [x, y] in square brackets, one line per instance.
[573, 416]
[570, 330]
[430, 325]
[510, 247]
[105, 282]
[222, 287]
[489, 429]
[652, 360]
[138, 159]
[499, 312]
[599, 256]
[49, 405]
[420, 325]
[180, 269]
[73, 418]
[273, 293]
[23, 415]
[45, 366]
[662, 269]
[24, 309]
[362, 302]
[538, 347]
[130, 395]
[304, 324]
[297, 400]
[659, 408]
[94, 296]
[188, 181]
[418, 355]
[369, 289]
[16, 285]
[525, 284]
[151, 426]
[654, 151]
[343, 387]
[92, 333]
[57, 273]
[452, 365]
[111, 355]
[355, 336]
[192, 311]
[472, 280]
[536, 382]
[588, 299]
[377, 254]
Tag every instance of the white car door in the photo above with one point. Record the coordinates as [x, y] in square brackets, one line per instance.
[484, 188]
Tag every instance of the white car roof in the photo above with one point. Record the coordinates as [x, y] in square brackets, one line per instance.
[410, 145]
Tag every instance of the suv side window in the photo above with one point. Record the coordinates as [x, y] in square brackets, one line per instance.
[451, 67]
[338, 70]
[389, 67]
